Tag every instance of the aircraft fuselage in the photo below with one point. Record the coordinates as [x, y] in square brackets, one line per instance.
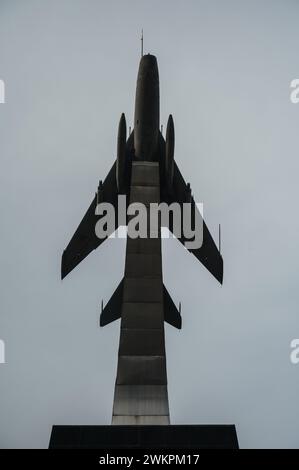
[147, 112]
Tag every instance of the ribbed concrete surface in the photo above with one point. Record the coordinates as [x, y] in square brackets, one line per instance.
[141, 384]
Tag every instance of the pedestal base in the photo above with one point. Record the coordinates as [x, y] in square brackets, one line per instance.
[184, 436]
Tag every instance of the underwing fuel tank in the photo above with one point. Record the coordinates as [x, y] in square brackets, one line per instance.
[169, 152]
[121, 154]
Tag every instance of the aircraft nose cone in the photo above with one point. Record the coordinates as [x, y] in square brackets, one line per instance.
[148, 63]
[149, 59]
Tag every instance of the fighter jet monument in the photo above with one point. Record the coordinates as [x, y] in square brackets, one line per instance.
[145, 172]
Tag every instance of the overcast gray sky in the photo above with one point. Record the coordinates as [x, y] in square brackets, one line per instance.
[70, 70]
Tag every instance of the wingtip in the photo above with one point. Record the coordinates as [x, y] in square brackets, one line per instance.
[63, 271]
[220, 277]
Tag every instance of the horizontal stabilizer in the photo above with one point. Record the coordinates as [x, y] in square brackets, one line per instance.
[112, 310]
